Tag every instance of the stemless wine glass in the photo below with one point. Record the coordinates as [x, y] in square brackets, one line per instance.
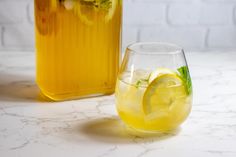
[154, 89]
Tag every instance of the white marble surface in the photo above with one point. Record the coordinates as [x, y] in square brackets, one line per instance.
[30, 126]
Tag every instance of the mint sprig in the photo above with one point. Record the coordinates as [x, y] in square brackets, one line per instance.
[184, 73]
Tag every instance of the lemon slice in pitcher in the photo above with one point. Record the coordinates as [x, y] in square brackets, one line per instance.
[111, 10]
[88, 10]
[45, 16]
[84, 12]
[162, 93]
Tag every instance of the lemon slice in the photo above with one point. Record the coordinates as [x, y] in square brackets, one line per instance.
[45, 16]
[82, 12]
[158, 72]
[164, 91]
[112, 10]
[86, 10]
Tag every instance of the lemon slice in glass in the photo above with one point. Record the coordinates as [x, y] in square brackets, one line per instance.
[162, 93]
[158, 72]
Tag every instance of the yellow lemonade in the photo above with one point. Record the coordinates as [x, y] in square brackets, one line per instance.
[153, 101]
[78, 46]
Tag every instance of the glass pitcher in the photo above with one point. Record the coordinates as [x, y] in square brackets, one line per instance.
[77, 47]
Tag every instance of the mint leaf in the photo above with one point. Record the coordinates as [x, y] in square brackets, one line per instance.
[141, 82]
[184, 73]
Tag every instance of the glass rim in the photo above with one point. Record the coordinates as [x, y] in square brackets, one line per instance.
[173, 48]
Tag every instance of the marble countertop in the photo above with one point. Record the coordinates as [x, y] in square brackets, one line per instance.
[30, 126]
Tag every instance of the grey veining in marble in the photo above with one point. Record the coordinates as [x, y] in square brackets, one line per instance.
[30, 126]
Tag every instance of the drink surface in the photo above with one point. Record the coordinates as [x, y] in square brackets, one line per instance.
[78, 47]
[133, 102]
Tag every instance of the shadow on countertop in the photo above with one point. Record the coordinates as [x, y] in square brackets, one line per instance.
[112, 130]
[19, 88]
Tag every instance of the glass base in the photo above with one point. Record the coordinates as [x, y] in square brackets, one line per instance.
[152, 133]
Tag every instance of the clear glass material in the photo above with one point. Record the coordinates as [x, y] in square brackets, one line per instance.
[77, 47]
[154, 90]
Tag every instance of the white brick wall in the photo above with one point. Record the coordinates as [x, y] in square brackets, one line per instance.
[194, 24]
